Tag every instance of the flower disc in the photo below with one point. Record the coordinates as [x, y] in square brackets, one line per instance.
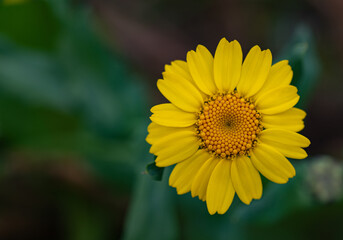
[228, 125]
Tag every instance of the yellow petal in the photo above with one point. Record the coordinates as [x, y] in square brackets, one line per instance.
[277, 100]
[287, 150]
[255, 70]
[246, 179]
[180, 92]
[200, 64]
[180, 68]
[171, 145]
[175, 148]
[280, 75]
[291, 119]
[184, 172]
[220, 191]
[172, 140]
[286, 142]
[200, 182]
[168, 115]
[284, 137]
[272, 164]
[157, 132]
[227, 65]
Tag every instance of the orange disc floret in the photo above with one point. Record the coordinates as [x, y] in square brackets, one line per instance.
[228, 125]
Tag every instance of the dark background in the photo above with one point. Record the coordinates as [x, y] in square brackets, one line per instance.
[77, 80]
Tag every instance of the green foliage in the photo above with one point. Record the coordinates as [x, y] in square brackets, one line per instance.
[79, 98]
[155, 172]
[64, 95]
[30, 23]
[152, 214]
[85, 222]
[301, 51]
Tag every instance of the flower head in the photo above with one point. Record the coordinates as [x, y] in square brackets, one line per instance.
[226, 123]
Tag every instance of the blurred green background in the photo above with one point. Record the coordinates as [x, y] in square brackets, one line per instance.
[77, 80]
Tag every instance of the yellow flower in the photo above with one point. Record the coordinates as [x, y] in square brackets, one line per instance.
[226, 123]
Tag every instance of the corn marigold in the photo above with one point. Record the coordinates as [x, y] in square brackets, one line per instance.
[226, 123]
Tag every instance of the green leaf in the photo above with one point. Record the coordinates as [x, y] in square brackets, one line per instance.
[152, 213]
[155, 172]
[197, 223]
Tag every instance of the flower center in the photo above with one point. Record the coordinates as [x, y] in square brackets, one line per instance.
[228, 125]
